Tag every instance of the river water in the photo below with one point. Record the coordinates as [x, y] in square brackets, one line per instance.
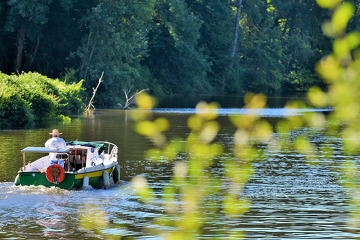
[289, 198]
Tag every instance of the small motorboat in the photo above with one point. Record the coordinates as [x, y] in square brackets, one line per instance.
[84, 164]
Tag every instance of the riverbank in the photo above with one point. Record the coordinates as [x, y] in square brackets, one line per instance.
[29, 97]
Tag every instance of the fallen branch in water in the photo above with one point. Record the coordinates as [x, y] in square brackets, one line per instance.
[129, 100]
[90, 105]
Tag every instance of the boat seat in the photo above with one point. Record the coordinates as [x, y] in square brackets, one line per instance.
[77, 159]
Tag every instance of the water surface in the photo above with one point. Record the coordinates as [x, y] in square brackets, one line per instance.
[290, 198]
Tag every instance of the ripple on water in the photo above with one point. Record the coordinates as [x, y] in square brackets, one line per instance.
[52, 212]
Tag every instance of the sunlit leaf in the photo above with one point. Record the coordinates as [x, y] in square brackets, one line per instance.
[154, 154]
[216, 149]
[304, 146]
[351, 138]
[146, 128]
[139, 114]
[263, 131]
[241, 137]
[234, 207]
[342, 15]
[195, 122]
[236, 234]
[142, 189]
[245, 154]
[350, 170]
[158, 139]
[162, 124]
[328, 3]
[169, 199]
[316, 120]
[93, 218]
[180, 170]
[317, 97]
[207, 111]
[239, 175]
[209, 131]
[329, 68]
[253, 101]
[145, 101]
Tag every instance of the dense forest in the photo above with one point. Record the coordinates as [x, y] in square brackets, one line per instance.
[169, 46]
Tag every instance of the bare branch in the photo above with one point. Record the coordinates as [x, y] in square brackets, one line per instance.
[90, 105]
[130, 100]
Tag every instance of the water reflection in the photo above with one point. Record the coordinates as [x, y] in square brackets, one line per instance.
[290, 199]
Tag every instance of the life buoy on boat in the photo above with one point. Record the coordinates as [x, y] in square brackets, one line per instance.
[55, 173]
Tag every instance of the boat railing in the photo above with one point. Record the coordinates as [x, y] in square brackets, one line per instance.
[111, 148]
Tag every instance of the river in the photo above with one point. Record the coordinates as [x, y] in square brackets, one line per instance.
[289, 198]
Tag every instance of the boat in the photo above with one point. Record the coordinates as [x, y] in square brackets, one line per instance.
[85, 164]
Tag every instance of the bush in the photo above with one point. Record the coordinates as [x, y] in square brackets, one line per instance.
[31, 96]
[14, 111]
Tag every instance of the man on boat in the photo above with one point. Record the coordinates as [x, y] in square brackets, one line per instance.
[55, 142]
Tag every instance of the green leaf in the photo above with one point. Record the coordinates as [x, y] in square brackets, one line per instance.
[328, 3]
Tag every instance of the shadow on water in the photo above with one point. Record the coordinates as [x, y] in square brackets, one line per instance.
[190, 101]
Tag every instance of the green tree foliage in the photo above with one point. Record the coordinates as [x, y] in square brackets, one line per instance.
[302, 40]
[168, 46]
[261, 53]
[216, 35]
[174, 46]
[115, 42]
[40, 35]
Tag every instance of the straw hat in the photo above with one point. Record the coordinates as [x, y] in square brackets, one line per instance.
[55, 132]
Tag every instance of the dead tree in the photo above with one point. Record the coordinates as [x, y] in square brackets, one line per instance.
[129, 100]
[90, 106]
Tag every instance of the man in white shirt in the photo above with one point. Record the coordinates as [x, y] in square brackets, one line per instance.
[54, 143]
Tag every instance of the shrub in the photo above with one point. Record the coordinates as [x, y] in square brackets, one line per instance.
[32, 96]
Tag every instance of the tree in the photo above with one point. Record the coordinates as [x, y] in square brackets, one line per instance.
[41, 34]
[303, 41]
[236, 32]
[115, 42]
[176, 57]
[216, 38]
[260, 53]
[26, 18]
[3, 41]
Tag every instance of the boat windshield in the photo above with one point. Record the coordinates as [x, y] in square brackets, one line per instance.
[100, 146]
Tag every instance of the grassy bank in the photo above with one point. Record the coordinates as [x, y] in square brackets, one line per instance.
[31, 97]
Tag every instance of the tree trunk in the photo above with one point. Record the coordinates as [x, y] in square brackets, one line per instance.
[84, 60]
[35, 51]
[90, 46]
[236, 33]
[20, 47]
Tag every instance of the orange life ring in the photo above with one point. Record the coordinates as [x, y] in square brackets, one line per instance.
[55, 173]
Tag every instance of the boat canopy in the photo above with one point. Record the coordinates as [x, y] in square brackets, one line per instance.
[99, 145]
[45, 150]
